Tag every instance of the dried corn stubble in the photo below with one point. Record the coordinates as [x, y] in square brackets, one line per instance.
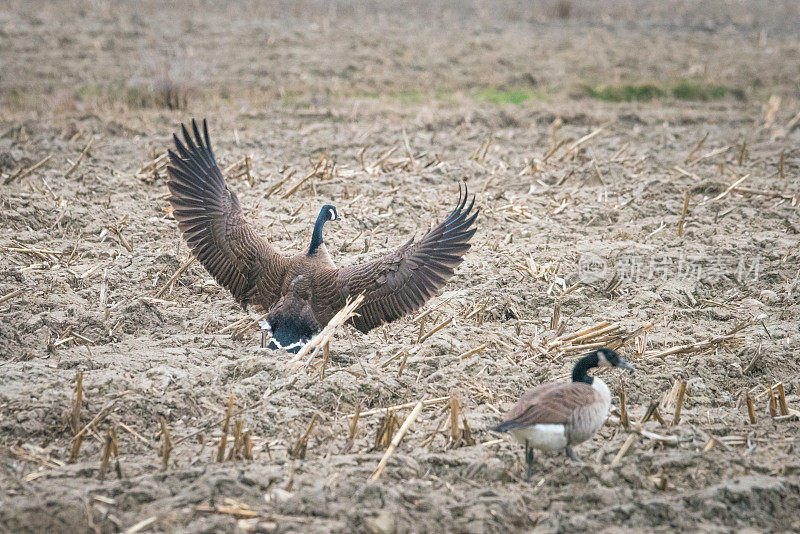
[75, 414]
[223, 440]
[298, 450]
[166, 444]
[386, 428]
[460, 432]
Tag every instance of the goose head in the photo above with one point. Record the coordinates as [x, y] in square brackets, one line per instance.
[599, 358]
[327, 213]
[610, 358]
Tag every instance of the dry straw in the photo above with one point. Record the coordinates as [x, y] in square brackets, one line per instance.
[396, 441]
[317, 342]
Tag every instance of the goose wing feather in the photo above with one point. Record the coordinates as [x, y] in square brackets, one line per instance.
[550, 403]
[212, 222]
[401, 281]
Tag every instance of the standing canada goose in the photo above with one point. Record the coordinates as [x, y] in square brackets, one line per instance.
[559, 415]
[301, 293]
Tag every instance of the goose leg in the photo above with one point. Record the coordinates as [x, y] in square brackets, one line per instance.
[574, 457]
[529, 461]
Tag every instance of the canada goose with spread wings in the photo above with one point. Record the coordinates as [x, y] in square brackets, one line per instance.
[301, 293]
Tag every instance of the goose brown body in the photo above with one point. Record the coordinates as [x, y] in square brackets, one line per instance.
[579, 407]
[560, 415]
[306, 290]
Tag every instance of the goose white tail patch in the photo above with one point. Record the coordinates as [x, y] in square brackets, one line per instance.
[272, 343]
[275, 344]
[545, 437]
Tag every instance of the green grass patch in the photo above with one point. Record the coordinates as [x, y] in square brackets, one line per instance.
[496, 96]
[694, 91]
[445, 96]
[371, 95]
[408, 97]
[625, 93]
[682, 90]
[405, 97]
[491, 95]
[15, 95]
[162, 94]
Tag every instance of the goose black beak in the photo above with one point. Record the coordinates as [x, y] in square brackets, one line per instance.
[625, 365]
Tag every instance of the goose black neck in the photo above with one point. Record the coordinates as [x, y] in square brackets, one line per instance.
[579, 372]
[316, 237]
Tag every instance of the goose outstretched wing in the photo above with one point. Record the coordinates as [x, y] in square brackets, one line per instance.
[401, 281]
[212, 222]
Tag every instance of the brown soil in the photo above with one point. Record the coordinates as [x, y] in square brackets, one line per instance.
[290, 83]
